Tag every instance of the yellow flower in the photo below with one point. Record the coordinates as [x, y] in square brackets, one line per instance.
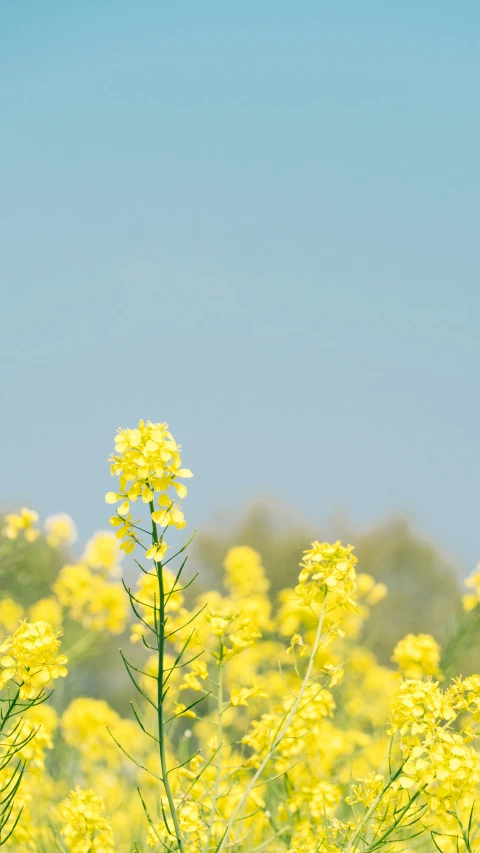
[240, 696]
[102, 552]
[86, 725]
[220, 620]
[181, 710]
[445, 767]
[92, 600]
[417, 655]
[48, 610]
[297, 640]
[192, 825]
[23, 521]
[10, 614]
[171, 514]
[35, 733]
[124, 530]
[60, 530]
[191, 680]
[85, 828]
[32, 659]
[366, 790]
[245, 574]
[108, 608]
[419, 707]
[330, 569]
[146, 460]
[157, 552]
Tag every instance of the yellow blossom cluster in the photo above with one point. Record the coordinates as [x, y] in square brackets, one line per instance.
[34, 736]
[147, 461]
[417, 655]
[102, 553]
[88, 590]
[84, 826]
[31, 659]
[60, 530]
[191, 824]
[46, 609]
[11, 614]
[244, 573]
[328, 569]
[90, 725]
[90, 599]
[437, 756]
[22, 523]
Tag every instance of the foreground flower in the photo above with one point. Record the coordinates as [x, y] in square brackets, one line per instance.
[32, 660]
[147, 461]
[330, 569]
[192, 825]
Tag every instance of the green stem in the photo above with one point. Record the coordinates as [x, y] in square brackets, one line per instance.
[160, 720]
[11, 705]
[279, 735]
[352, 844]
[465, 834]
[218, 772]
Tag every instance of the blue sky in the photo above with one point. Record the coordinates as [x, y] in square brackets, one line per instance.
[258, 222]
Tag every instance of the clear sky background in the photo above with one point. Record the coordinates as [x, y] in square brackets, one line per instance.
[259, 222]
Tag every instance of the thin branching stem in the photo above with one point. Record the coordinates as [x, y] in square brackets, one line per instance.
[160, 623]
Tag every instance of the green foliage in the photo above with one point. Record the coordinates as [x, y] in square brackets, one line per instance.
[423, 586]
[28, 570]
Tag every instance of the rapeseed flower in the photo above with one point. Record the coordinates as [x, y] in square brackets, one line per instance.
[88, 725]
[48, 610]
[32, 660]
[10, 614]
[102, 552]
[245, 575]
[84, 826]
[60, 530]
[22, 522]
[329, 569]
[91, 599]
[147, 461]
[417, 655]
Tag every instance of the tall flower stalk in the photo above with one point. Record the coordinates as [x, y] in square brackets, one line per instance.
[148, 463]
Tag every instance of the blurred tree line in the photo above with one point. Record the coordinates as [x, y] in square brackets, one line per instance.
[424, 586]
[424, 589]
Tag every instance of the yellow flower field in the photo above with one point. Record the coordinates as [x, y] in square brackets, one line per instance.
[254, 722]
